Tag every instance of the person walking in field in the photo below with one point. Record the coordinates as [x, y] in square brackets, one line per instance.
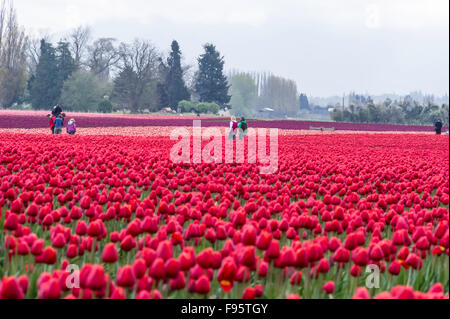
[71, 127]
[243, 128]
[233, 128]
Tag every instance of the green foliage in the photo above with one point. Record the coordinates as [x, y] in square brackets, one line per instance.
[54, 68]
[12, 86]
[176, 88]
[44, 88]
[82, 92]
[135, 87]
[162, 96]
[280, 94]
[204, 107]
[105, 106]
[199, 108]
[211, 83]
[304, 102]
[65, 63]
[388, 112]
[124, 89]
[186, 106]
[244, 94]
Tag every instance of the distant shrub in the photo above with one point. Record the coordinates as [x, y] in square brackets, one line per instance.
[186, 106]
[105, 106]
[208, 108]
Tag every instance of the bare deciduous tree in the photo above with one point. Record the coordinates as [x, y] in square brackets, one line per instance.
[138, 70]
[103, 56]
[13, 48]
[34, 51]
[79, 39]
[142, 57]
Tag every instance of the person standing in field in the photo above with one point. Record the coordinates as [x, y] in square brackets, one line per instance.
[233, 128]
[243, 128]
[59, 123]
[438, 127]
[52, 122]
[57, 110]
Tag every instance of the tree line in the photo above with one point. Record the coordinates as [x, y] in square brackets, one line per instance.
[85, 74]
[407, 111]
[104, 75]
[251, 93]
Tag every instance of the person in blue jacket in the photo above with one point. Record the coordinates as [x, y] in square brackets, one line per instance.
[59, 123]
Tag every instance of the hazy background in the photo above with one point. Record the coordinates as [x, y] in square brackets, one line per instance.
[328, 47]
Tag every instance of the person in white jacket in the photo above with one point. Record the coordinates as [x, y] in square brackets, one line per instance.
[233, 128]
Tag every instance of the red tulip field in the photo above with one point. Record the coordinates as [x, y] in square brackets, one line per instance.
[342, 212]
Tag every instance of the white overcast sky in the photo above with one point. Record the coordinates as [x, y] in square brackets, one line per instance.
[327, 46]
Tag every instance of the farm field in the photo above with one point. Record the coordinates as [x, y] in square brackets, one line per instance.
[111, 205]
[36, 120]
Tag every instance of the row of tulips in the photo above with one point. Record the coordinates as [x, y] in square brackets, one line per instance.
[30, 120]
[136, 225]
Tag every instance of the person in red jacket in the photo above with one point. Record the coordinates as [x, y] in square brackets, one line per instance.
[52, 123]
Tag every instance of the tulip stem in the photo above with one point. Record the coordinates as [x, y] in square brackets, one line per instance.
[409, 276]
[94, 244]
[6, 259]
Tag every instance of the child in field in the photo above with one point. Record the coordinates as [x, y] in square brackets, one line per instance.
[233, 128]
[52, 122]
[243, 128]
[59, 123]
[71, 127]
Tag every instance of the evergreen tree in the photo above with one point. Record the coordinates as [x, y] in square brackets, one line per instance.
[65, 62]
[163, 97]
[124, 91]
[176, 88]
[211, 83]
[45, 90]
[304, 103]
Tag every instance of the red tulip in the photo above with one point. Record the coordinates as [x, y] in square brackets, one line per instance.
[157, 269]
[395, 268]
[178, 283]
[126, 277]
[139, 268]
[110, 255]
[171, 268]
[11, 289]
[96, 279]
[202, 285]
[328, 287]
[296, 278]
[11, 222]
[361, 293]
[128, 243]
[249, 293]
